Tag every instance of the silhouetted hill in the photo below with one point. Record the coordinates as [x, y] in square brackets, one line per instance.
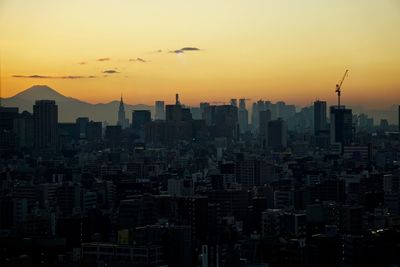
[70, 108]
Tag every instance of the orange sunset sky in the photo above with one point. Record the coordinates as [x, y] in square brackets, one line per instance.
[288, 50]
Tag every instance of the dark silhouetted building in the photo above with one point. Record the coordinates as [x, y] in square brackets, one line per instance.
[341, 125]
[45, 117]
[160, 110]
[140, 118]
[319, 117]
[277, 134]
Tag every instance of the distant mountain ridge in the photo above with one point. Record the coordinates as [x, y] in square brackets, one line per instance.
[70, 108]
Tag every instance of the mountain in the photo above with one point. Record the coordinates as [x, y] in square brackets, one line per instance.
[70, 108]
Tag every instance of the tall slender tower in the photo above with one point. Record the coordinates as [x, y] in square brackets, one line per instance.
[121, 114]
[45, 120]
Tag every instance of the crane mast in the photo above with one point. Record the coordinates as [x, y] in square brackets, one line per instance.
[339, 87]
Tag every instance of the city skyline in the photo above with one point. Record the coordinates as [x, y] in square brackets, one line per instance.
[289, 50]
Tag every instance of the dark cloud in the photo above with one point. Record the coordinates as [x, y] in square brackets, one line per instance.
[103, 59]
[190, 49]
[82, 63]
[54, 77]
[110, 71]
[138, 60]
[185, 49]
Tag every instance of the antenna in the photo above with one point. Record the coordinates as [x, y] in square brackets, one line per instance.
[339, 87]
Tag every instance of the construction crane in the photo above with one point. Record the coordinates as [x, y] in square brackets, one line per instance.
[339, 87]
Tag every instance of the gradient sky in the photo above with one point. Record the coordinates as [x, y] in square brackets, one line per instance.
[293, 50]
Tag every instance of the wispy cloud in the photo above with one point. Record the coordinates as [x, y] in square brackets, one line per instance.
[138, 60]
[104, 59]
[82, 63]
[110, 72]
[185, 49]
[53, 77]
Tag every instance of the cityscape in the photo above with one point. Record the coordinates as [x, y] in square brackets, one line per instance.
[200, 186]
[273, 141]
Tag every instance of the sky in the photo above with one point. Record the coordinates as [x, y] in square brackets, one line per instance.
[205, 50]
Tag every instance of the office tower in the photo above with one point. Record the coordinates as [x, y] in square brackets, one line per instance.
[196, 113]
[242, 103]
[82, 123]
[290, 111]
[94, 130]
[341, 125]
[140, 118]
[277, 134]
[177, 112]
[122, 121]
[7, 116]
[186, 115]
[398, 117]
[264, 118]
[67, 133]
[208, 113]
[160, 110]
[7, 134]
[384, 124]
[281, 109]
[226, 121]
[319, 116]
[234, 102]
[23, 128]
[243, 118]
[45, 120]
[255, 119]
[113, 135]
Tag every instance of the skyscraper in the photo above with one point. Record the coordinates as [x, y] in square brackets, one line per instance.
[160, 110]
[243, 116]
[122, 121]
[319, 116]
[341, 125]
[234, 102]
[140, 118]
[45, 120]
[264, 119]
[277, 134]
[174, 112]
[242, 103]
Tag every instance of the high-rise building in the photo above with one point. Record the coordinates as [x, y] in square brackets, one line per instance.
[234, 102]
[122, 120]
[45, 121]
[94, 130]
[277, 134]
[140, 118]
[7, 134]
[177, 112]
[23, 128]
[264, 119]
[341, 125]
[243, 116]
[398, 116]
[82, 124]
[160, 110]
[319, 116]
[226, 121]
[242, 103]
[7, 116]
